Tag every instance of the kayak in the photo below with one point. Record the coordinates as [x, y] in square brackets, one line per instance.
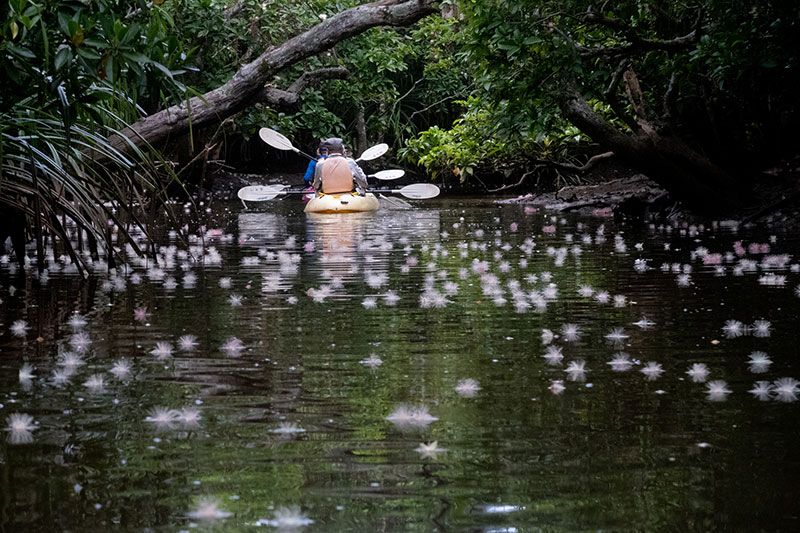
[342, 203]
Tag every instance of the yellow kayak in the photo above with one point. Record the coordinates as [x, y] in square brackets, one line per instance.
[342, 203]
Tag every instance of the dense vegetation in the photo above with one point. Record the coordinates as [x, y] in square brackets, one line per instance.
[699, 95]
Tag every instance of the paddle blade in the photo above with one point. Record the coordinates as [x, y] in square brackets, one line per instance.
[386, 175]
[260, 193]
[374, 152]
[419, 191]
[275, 139]
[387, 202]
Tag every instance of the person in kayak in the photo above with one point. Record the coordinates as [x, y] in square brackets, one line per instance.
[308, 177]
[338, 173]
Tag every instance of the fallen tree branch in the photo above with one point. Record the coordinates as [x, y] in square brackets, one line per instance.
[246, 84]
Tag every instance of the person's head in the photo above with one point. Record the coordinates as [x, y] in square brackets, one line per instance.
[333, 145]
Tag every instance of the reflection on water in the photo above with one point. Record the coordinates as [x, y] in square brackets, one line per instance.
[459, 366]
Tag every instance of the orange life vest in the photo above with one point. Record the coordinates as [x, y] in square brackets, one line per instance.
[336, 175]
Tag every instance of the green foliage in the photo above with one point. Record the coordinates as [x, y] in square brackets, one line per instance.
[77, 73]
[459, 150]
[729, 90]
[480, 143]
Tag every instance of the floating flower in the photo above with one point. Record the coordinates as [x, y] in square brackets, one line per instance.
[468, 388]
[20, 427]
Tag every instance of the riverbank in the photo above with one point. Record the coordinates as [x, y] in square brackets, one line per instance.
[610, 189]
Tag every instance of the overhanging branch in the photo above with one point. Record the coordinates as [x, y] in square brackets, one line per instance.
[246, 84]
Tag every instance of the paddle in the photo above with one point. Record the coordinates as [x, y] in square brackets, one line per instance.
[263, 193]
[415, 191]
[374, 152]
[386, 175]
[279, 141]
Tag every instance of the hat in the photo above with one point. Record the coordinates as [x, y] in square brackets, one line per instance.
[332, 145]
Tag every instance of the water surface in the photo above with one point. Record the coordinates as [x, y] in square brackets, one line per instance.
[299, 418]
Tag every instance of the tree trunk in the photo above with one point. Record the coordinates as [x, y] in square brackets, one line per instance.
[246, 85]
[669, 161]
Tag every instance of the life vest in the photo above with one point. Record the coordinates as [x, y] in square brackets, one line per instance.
[336, 175]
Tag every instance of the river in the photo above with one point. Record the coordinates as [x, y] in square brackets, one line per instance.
[441, 368]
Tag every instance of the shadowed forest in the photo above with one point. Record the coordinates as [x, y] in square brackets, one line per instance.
[125, 104]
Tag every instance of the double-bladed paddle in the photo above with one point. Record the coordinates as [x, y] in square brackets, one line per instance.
[263, 193]
[279, 141]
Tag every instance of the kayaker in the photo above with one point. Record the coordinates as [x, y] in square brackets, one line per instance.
[308, 177]
[338, 173]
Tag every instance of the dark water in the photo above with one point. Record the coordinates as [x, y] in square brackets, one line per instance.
[296, 417]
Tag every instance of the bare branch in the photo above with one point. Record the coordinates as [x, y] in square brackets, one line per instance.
[314, 77]
[517, 184]
[590, 164]
[288, 98]
[539, 163]
[636, 43]
[434, 104]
